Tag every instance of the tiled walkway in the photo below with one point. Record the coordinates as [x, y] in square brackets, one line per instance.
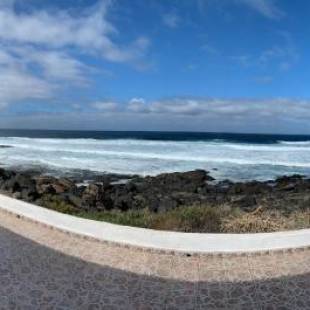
[41, 268]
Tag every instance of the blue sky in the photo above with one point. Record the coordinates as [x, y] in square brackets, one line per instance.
[199, 65]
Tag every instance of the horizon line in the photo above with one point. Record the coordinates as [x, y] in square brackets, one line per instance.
[156, 131]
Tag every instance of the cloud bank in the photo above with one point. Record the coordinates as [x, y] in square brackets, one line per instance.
[214, 108]
[278, 115]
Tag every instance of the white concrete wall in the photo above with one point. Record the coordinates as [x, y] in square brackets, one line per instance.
[161, 240]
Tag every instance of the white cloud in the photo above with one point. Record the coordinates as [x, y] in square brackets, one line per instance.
[19, 82]
[171, 20]
[5, 58]
[58, 65]
[279, 115]
[38, 48]
[266, 8]
[137, 105]
[176, 106]
[214, 108]
[18, 85]
[54, 64]
[106, 106]
[90, 30]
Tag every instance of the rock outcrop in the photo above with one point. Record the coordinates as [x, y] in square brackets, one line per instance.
[158, 193]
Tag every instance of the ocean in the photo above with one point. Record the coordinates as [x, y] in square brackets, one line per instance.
[237, 157]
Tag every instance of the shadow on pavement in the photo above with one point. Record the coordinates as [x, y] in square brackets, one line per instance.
[33, 276]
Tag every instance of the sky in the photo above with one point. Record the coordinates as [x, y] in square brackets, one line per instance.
[172, 65]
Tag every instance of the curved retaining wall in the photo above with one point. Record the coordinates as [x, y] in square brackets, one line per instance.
[158, 240]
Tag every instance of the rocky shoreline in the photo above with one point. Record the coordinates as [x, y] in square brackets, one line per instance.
[159, 194]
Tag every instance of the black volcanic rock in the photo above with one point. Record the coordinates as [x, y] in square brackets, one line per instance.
[23, 184]
[159, 193]
[249, 188]
[5, 146]
[5, 175]
[50, 185]
[177, 181]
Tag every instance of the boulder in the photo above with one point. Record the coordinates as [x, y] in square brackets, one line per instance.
[44, 184]
[66, 184]
[51, 185]
[6, 174]
[123, 196]
[171, 182]
[22, 184]
[285, 180]
[248, 188]
[93, 197]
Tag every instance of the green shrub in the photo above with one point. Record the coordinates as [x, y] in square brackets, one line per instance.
[57, 204]
[197, 218]
[138, 218]
[189, 219]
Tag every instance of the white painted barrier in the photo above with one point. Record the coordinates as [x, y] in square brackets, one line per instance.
[159, 240]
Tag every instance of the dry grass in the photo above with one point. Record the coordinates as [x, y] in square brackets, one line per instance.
[189, 219]
[252, 223]
[200, 218]
[266, 221]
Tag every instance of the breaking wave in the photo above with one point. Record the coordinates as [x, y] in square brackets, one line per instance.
[225, 159]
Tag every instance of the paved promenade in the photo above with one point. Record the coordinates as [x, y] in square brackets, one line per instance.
[41, 268]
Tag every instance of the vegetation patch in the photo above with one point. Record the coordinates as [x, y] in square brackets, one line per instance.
[188, 201]
[198, 218]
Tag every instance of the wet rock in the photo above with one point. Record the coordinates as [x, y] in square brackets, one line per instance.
[112, 178]
[177, 181]
[158, 193]
[5, 146]
[289, 179]
[22, 184]
[289, 187]
[249, 188]
[5, 175]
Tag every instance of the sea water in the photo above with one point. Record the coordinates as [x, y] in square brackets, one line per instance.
[225, 155]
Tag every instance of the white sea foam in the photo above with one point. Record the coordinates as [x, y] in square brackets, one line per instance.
[149, 157]
[295, 142]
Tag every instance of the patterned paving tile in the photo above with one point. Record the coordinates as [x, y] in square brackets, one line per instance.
[42, 268]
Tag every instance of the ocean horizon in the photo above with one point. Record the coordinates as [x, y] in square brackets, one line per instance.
[233, 156]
